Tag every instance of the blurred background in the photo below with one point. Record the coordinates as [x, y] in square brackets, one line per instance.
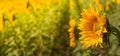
[40, 27]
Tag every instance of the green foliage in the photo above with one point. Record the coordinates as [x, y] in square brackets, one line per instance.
[36, 34]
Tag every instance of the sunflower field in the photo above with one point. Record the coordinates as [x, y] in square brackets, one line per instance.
[59, 27]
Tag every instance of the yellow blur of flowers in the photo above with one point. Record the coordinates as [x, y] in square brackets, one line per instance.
[92, 28]
[71, 32]
[107, 5]
[116, 1]
[11, 7]
[1, 22]
[71, 4]
[98, 3]
[16, 5]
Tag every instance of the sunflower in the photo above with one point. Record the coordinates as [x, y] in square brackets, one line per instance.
[92, 27]
[71, 32]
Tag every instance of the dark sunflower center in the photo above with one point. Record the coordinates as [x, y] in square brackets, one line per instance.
[96, 25]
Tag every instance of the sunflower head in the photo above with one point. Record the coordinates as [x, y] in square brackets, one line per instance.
[92, 26]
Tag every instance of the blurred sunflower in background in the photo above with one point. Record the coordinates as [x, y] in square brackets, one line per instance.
[71, 32]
